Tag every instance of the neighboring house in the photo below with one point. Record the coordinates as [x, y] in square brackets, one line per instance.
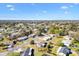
[13, 35]
[77, 38]
[71, 33]
[18, 50]
[67, 37]
[47, 38]
[22, 38]
[67, 40]
[52, 35]
[1, 29]
[35, 31]
[28, 52]
[63, 51]
[6, 43]
[32, 35]
[10, 46]
[1, 37]
[41, 44]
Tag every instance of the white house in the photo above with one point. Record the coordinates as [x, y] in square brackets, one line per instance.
[1, 36]
[41, 44]
[67, 37]
[47, 37]
[11, 36]
[67, 40]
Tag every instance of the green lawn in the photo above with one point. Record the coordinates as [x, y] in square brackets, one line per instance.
[13, 54]
[54, 49]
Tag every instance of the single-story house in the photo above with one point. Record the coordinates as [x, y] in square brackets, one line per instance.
[28, 52]
[32, 35]
[13, 35]
[63, 51]
[41, 44]
[1, 37]
[6, 43]
[67, 40]
[71, 33]
[77, 38]
[1, 29]
[10, 46]
[22, 38]
[54, 35]
[67, 37]
[47, 38]
[18, 50]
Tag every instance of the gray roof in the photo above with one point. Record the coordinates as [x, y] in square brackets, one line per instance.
[1, 36]
[22, 38]
[26, 52]
[65, 50]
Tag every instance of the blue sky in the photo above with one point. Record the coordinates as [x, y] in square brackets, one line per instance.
[39, 11]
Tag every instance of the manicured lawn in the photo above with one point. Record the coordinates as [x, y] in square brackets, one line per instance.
[57, 40]
[72, 55]
[74, 42]
[40, 53]
[25, 41]
[1, 47]
[13, 54]
[54, 49]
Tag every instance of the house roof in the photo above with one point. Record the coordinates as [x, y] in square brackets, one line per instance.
[22, 38]
[64, 50]
[26, 52]
[1, 35]
[66, 42]
[67, 37]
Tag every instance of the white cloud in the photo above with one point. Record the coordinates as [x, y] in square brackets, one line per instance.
[12, 9]
[64, 7]
[44, 11]
[71, 6]
[9, 6]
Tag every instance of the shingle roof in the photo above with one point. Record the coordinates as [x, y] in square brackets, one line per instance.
[64, 50]
[22, 38]
[26, 52]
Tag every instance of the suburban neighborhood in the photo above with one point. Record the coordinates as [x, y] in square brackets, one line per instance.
[39, 38]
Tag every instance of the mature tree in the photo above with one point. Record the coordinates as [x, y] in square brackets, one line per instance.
[32, 42]
[73, 27]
